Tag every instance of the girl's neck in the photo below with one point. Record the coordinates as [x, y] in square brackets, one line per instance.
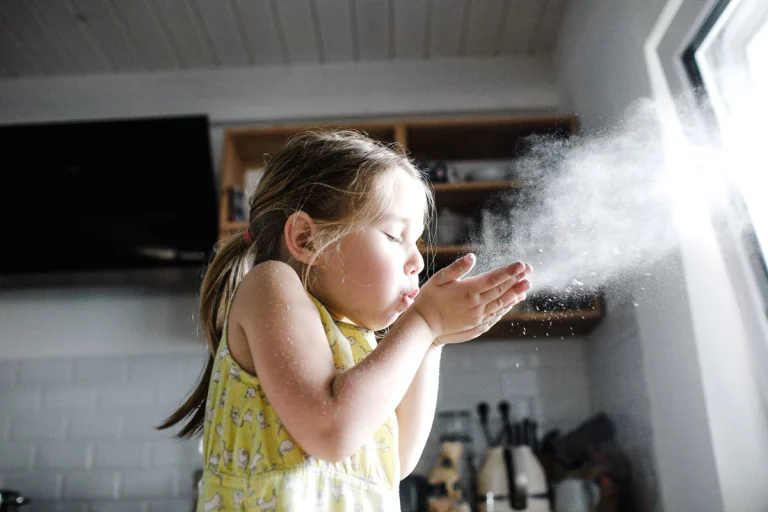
[284, 256]
[338, 317]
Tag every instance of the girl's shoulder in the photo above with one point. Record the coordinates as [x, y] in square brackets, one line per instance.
[269, 288]
[270, 305]
[271, 271]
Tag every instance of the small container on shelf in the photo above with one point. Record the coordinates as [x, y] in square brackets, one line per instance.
[437, 171]
[452, 228]
[237, 204]
[252, 180]
[465, 171]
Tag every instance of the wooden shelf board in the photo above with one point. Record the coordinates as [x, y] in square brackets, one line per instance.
[476, 185]
[468, 198]
[546, 324]
[234, 226]
[540, 330]
[448, 249]
[230, 228]
[521, 119]
[552, 316]
[290, 128]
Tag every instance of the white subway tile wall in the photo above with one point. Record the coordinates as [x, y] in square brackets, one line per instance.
[546, 381]
[78, 434]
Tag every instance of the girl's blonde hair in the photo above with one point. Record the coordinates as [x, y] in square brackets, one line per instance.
[333, 176]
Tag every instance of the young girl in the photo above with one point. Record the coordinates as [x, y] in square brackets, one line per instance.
[299, 407]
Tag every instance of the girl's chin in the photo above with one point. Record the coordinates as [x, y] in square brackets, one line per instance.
[385, 321]
[396, 313]
[393, 312]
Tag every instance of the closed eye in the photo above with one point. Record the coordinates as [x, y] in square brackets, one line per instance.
[393, 239]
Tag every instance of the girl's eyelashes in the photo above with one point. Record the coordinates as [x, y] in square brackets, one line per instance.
[393, 239]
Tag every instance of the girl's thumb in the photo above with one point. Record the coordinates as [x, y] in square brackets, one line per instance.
[457, 269]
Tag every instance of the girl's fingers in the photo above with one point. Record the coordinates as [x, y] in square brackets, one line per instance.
[468, 334]
[498, 291]
[525, 273]
[514, 294]
[493, 319]
[490, 280]
[455, 270]
[517, 294]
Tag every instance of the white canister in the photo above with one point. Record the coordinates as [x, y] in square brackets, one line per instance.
[576, 495]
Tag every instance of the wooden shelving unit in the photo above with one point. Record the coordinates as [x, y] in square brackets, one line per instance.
[457, 138]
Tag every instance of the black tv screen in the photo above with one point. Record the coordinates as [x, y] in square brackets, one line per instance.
[106, 195]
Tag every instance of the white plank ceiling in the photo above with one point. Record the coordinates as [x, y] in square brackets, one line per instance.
[77, 37]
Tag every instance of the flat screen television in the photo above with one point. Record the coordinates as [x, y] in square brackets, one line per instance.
[118, 194]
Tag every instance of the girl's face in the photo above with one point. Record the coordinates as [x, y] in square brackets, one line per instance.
[374, 276]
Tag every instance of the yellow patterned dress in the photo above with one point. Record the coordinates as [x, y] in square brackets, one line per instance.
[251, 462]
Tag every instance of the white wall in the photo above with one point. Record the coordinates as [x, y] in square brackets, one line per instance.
[77, 433]
[285, 93]
[703, 405]
[599, 57]
[617, 387]
[113, 313]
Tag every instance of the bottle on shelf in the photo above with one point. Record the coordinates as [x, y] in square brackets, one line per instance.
[237, 204]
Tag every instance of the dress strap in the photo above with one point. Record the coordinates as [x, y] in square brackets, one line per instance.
[325, 315]
[230, 301]
[223, 343]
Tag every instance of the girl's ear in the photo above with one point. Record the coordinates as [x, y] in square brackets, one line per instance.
[298, 232]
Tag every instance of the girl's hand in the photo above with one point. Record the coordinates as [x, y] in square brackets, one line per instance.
[458, 310]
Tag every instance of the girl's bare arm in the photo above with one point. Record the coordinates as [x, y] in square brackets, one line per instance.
[332, 413]
[329, 413]
[416, 411]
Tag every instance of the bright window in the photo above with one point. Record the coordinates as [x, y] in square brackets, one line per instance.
[728, 62]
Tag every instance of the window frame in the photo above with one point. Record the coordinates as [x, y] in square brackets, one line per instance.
[757, 256]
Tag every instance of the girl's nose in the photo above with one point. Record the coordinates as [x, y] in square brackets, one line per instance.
[415, 263]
